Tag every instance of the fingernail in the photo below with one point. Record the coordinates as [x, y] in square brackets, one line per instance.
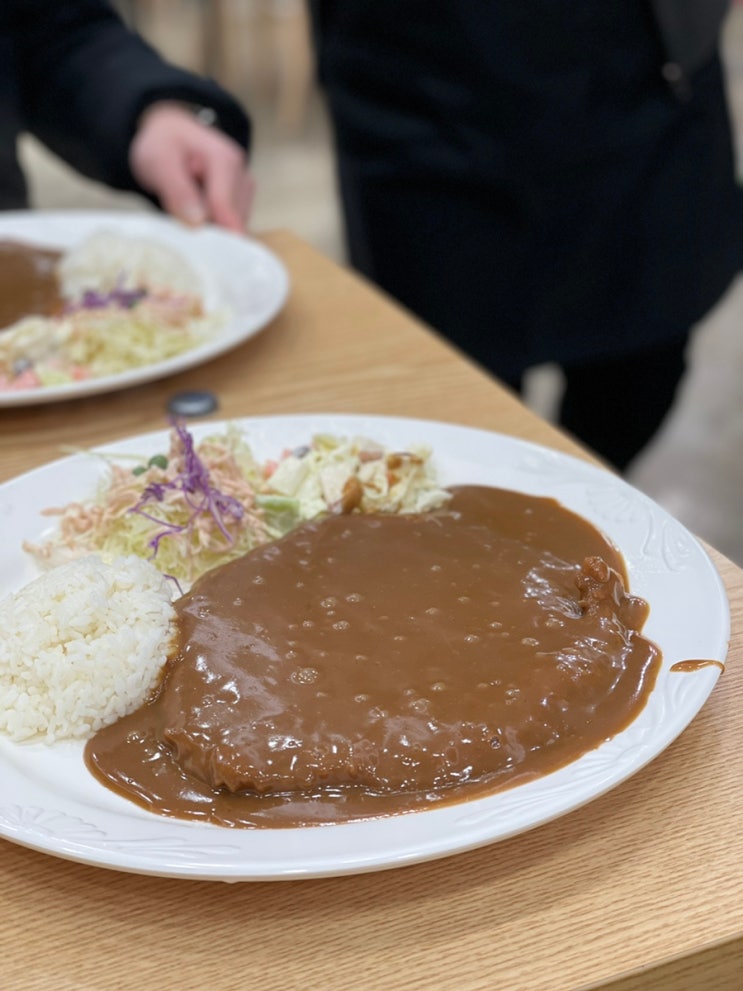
[193, 214]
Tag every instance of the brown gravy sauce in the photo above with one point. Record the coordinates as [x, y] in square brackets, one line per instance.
[28, 282]
[369, 665]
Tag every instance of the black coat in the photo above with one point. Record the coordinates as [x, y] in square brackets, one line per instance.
[74, 76]
[522, 175]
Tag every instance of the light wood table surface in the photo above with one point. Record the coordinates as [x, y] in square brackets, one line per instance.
[641, 889]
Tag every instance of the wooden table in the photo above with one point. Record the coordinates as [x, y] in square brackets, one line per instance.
[641, 889]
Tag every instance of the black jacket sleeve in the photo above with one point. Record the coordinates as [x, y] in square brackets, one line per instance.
[86, 78]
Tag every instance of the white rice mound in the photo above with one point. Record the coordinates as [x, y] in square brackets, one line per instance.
[107, 260]
[81, 646]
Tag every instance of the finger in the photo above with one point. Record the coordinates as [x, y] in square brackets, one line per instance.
[246, 197]
[161, 165]
[227, 188]
[181, 193]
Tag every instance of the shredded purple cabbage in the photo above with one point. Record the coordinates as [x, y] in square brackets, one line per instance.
[198, 493]
[125, 299]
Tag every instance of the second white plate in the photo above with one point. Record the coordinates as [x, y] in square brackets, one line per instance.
[242, 280]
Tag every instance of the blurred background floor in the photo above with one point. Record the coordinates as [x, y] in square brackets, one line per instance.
[259, 49]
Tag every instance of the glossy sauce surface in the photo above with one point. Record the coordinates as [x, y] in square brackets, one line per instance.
[372, 665]
[28, 282]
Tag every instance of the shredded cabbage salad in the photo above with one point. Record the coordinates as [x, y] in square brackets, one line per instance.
[124, 302]
[100, 335]
[199, 505]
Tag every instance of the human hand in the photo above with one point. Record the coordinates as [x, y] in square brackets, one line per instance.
[197, 173]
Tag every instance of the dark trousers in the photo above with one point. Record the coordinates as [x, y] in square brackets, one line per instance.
[615, 406]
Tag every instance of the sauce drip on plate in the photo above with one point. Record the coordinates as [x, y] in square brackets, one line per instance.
[697, 664]
[369, 665]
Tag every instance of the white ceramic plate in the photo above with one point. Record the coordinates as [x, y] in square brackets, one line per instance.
[242, 281]
[50, 803]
